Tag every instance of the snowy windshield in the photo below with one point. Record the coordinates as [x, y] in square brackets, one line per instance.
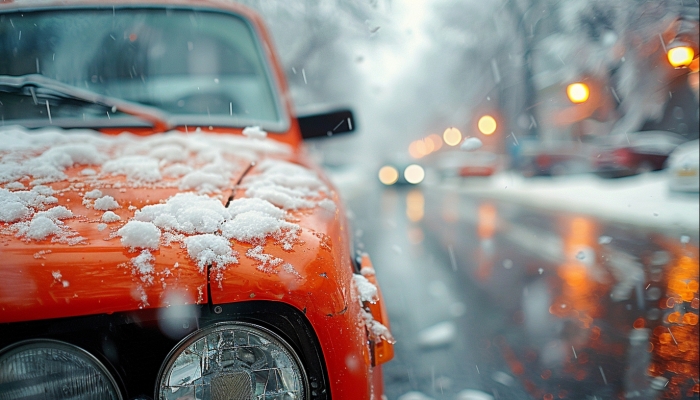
[203, 67]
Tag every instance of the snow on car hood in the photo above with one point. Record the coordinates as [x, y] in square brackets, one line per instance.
[85, 216]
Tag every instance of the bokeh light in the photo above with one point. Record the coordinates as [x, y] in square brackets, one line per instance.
[452, 136]
[388, 175]
[578, 92]
[680, 56]
[436, 140]
[487, 125]
[415, 205]
[414, 174]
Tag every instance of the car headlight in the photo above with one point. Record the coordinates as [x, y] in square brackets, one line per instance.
[232, 360]
[49, 369]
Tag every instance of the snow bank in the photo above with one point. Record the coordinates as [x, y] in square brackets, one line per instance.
[642, 200]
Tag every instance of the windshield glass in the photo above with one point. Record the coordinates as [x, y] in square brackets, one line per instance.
[185, 62]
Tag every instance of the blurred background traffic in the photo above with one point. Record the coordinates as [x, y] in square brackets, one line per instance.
[556, 258]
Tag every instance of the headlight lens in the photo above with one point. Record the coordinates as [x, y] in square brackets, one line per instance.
[53, 370]
[232, 360]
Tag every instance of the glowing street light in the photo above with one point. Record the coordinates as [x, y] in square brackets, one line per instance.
[487, 125]
[452, 136]
[578, 92]
[680, 56]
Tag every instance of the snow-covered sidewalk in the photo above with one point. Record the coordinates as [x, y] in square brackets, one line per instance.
[640, 200]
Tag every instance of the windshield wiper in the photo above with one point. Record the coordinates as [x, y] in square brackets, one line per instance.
[47, 86]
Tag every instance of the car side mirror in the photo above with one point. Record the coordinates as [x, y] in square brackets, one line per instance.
[326, 124]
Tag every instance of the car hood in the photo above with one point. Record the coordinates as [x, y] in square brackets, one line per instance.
[91, 223]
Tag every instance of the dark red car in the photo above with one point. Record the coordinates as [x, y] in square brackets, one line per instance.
[634, 153]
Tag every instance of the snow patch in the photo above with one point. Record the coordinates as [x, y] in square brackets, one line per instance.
[106, 203]
[285, 185]
[367, 291]
[93, 194]
[209, 249]
[139, 234]
[110, 216]
[328, 205]
[254, 132]
[471, 144]
[187, 213]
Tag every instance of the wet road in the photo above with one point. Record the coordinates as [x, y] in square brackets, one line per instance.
[488, 298]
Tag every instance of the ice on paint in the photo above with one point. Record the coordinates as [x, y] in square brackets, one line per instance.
[106, 203]
[139, 234]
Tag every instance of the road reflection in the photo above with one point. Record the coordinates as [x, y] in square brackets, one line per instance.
[541, 305]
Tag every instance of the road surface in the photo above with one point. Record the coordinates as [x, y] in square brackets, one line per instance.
[493, 298]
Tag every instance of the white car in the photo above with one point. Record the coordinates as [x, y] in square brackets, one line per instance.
[683, 167]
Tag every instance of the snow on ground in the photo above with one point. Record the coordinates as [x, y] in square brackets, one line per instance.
[642, 200]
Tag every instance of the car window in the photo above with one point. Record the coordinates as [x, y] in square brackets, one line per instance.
[185, 62]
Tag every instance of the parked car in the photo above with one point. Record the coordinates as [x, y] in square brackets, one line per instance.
[634, 153]
[553, 159]
[467, 164]
[163, 234]
[683, 165]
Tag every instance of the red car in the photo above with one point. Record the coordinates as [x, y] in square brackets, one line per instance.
[634, 153]
[163, 234]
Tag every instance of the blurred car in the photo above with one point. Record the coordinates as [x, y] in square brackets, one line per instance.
[401, 172]
[553, 159]
[683, 165]
[467, 164]
[199, 255]
[634, 153]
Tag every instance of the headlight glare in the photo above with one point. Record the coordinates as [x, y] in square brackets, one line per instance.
[53, 370]
[232, 360]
